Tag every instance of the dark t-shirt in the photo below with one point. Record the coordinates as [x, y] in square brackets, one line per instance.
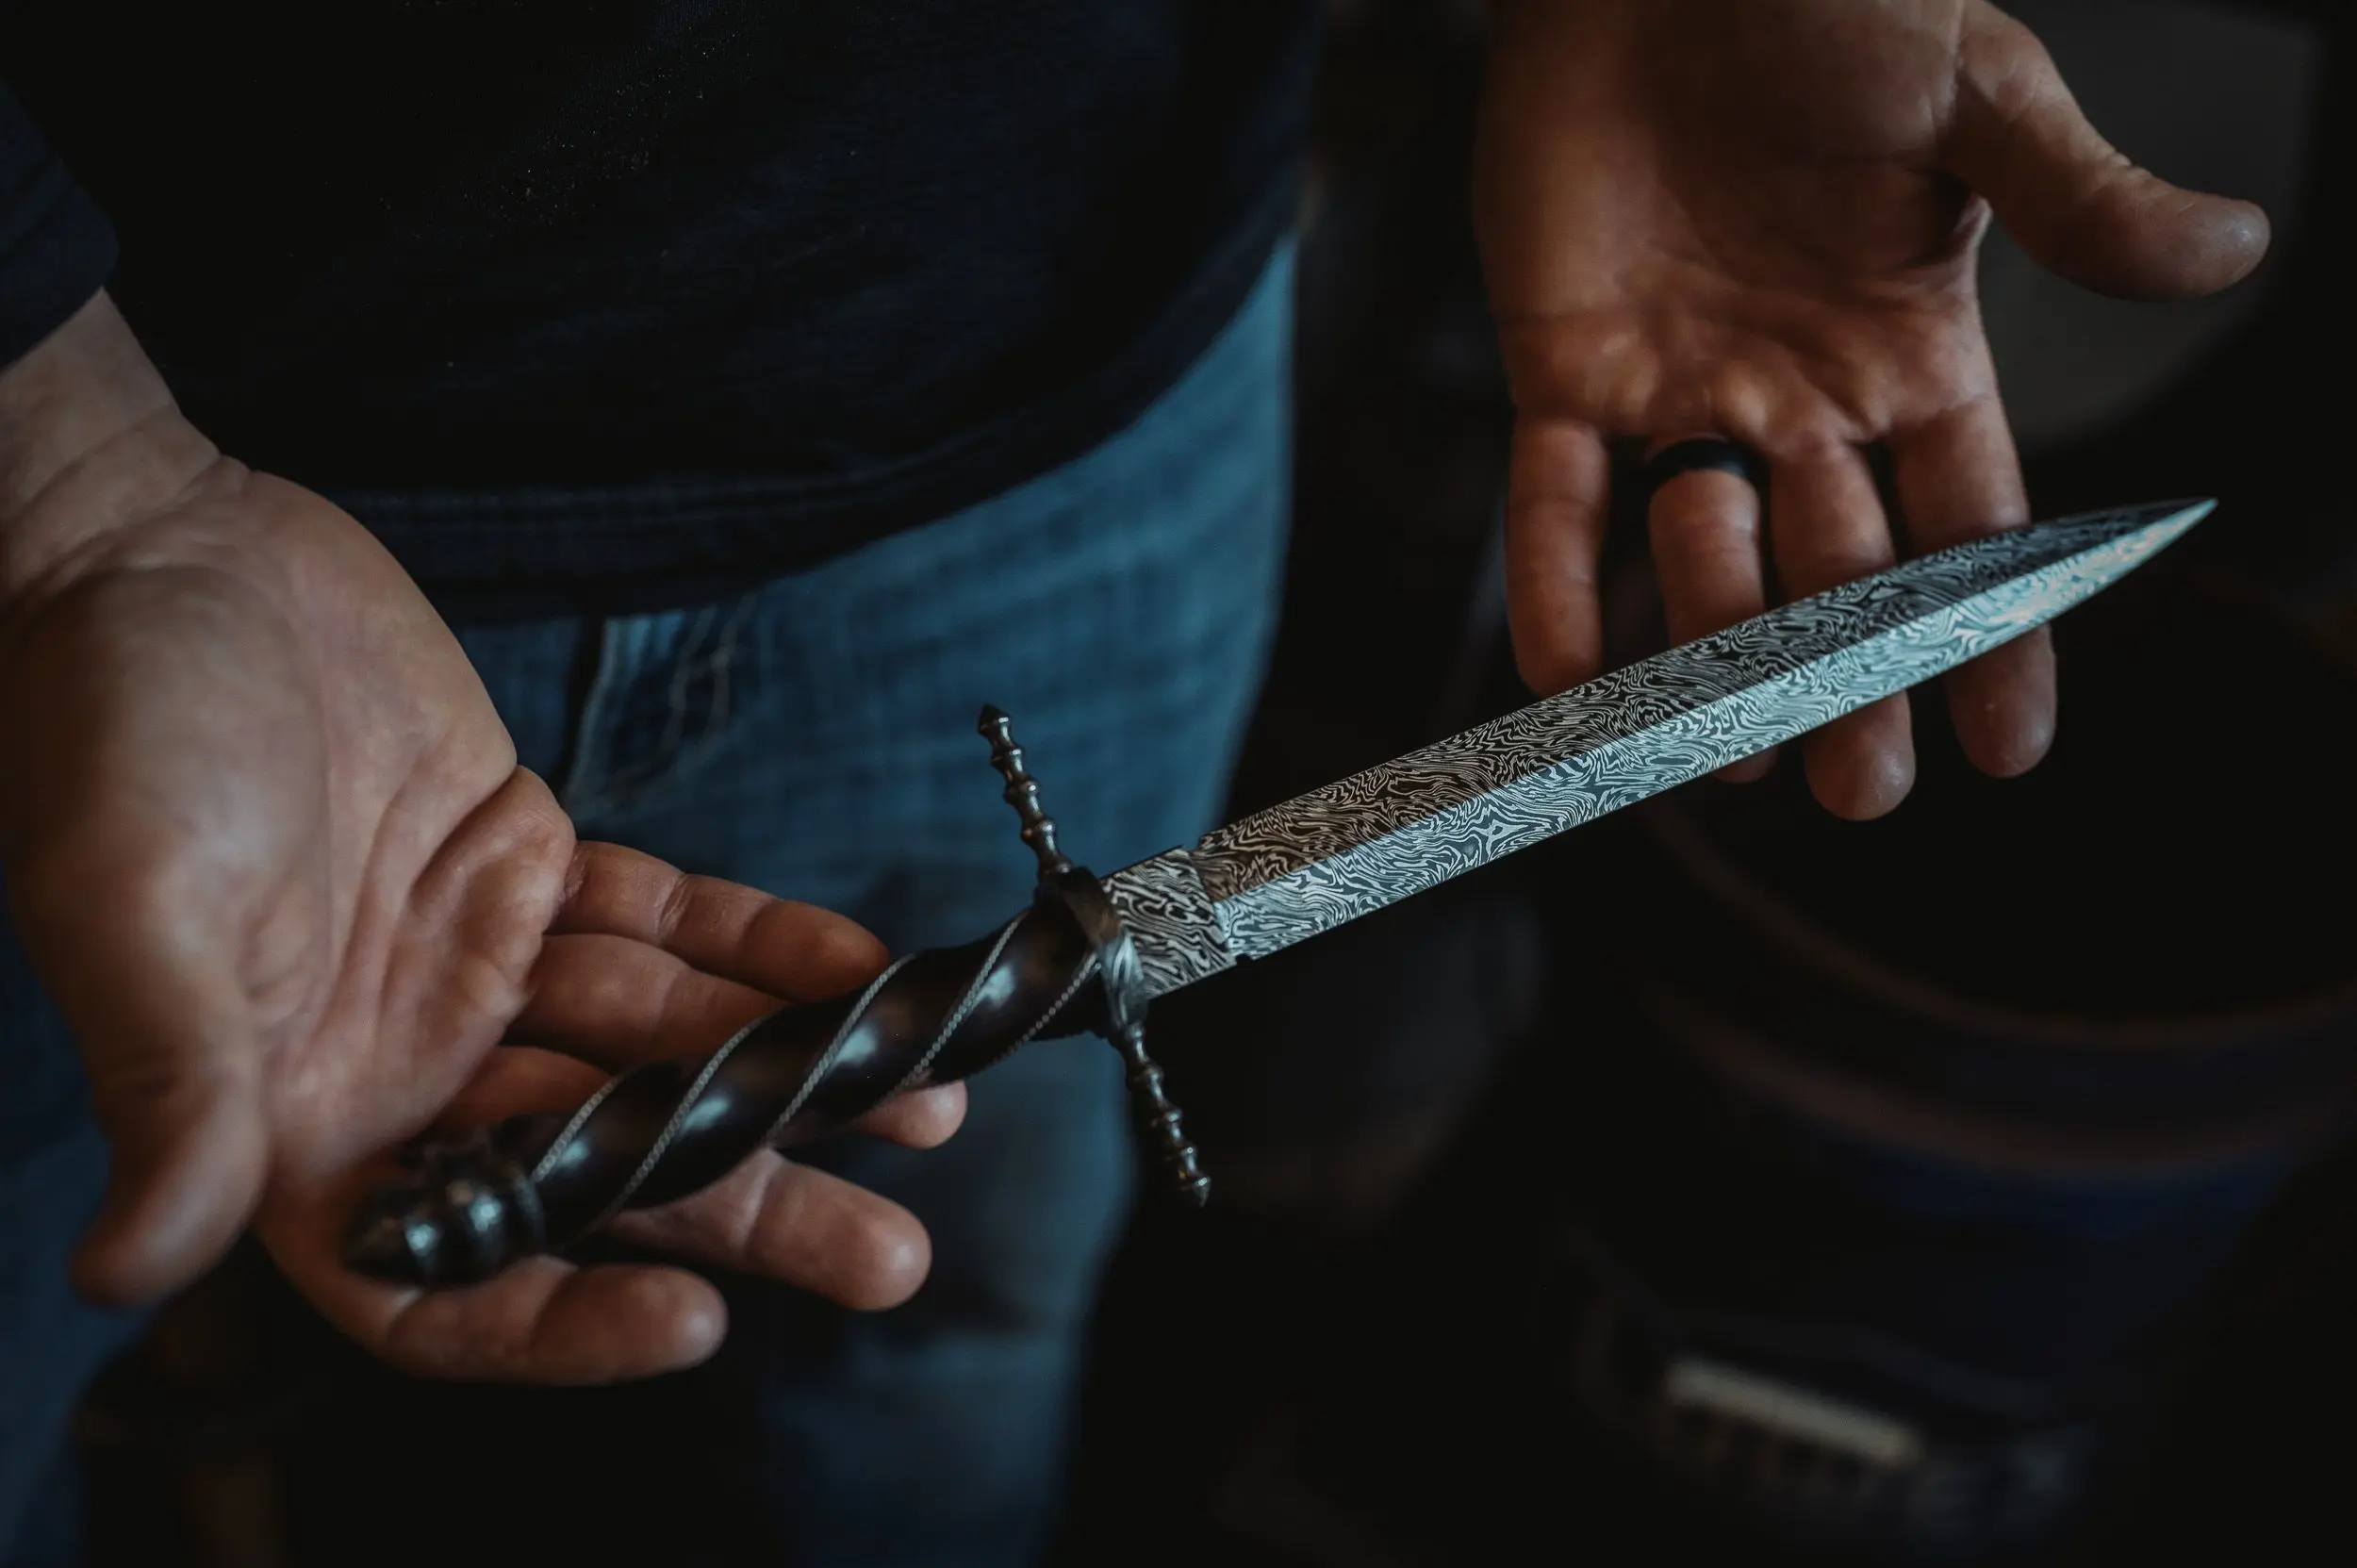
[612, 300]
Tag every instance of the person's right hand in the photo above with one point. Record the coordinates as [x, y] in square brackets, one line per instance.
[268, 845]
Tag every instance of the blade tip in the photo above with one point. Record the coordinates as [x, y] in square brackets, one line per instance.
[2160, 523]
[2179, 517]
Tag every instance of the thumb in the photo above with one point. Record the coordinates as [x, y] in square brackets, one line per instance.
[2072, 200]
[189, 1148]
[167, 1039]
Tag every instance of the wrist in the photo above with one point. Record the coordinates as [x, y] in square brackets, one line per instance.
[90, 441]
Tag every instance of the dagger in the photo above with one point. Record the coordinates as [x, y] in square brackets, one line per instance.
[1091, 953]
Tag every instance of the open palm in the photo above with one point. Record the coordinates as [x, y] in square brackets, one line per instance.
[1758, 218]
[275, 861]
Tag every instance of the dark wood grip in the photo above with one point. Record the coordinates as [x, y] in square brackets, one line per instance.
[663, 1131]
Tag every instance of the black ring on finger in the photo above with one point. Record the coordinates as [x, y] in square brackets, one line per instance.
[1715, 454]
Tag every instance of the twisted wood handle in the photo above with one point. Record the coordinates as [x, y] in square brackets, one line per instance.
[668, 1128]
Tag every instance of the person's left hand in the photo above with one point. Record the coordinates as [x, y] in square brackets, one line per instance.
[1758, 218]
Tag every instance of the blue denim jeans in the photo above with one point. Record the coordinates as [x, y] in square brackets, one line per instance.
[816, 738]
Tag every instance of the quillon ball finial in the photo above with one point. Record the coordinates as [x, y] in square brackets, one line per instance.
[1038, 829]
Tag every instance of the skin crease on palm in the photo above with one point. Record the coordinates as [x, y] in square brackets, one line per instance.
[271, 854]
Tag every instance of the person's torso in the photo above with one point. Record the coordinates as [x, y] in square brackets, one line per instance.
[477, 242]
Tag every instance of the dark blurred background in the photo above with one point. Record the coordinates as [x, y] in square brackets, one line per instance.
[1976, 1185]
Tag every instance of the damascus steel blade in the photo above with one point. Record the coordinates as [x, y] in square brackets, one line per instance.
[1268, 881]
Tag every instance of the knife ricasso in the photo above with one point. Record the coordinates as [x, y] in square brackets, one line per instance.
[1172, 920]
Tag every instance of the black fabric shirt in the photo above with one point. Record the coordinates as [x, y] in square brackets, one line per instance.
[590, 303]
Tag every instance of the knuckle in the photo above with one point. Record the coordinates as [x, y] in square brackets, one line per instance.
[543, 833]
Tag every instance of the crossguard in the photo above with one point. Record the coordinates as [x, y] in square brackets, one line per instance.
[1122, 988]
[663, 1130]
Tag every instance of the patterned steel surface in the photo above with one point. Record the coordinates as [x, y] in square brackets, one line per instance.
[1333, 854]
[1171, 921]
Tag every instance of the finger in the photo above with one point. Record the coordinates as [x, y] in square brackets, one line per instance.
[543, 1321]
[518, 1080]
[186, 1136]
[172, 1063]
[805, 1227]
[1957, 478]
[540, 1321]
[2073, 201]
[1705, 529]
[617, 1003]
[1826, 524]
[763, 1217]
[925, 1118]
[521, 1081]
[1556, 487]
[795, 951]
